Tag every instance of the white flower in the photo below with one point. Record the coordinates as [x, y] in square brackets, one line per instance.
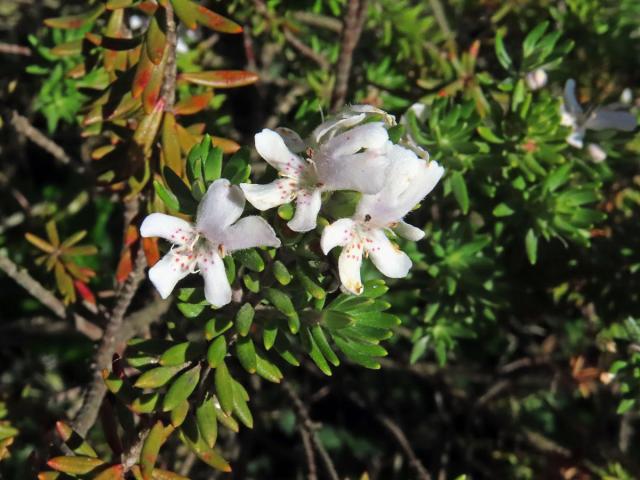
[199, 248]
[410, 179]
[601, 118]
[137, 22]
[536, 79]
[354, 159]
[349, 117]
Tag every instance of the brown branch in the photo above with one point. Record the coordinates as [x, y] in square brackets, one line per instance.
[31, 285]
[354, 19]
[96, 390]
[317, 20]
[168, 92]
[398, 435]
[12, 49]
[306, 50]
[23, 126]
[307, 432]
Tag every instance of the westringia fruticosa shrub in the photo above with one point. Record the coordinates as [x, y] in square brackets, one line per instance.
[444, 231]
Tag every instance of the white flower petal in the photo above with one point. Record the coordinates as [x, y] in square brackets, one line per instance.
[349, 265]
[339, 233]
[220, 207]
[387, 257]
[369, 136]
[596, 152]
[603, 119]
[270, 195]
[273, 149]
[217, 290]
[571, 104]
[409, 232]
[363, 172]
[409, 180]
[575, 139]
[292, 140]
[307, 207]
[167, 272]
[536, 79]
[249, 232]
[330, 127]
[173, 229]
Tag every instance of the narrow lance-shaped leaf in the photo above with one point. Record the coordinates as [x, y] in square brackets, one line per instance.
[150, 450]
[77, 465]
[181, 388]
[221, 78]
[74, 22]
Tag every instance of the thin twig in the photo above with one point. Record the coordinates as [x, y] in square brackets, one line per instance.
[31, 285]
[306, 50]
[307, 432]
[354, 19]
[23, 126]
[399, 436]
[317, 20]
[12, 49]
[96, 390]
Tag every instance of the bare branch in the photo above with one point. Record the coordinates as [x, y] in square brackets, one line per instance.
[168, 92]
[354, 19]
[307, 432]
[317, 20]
[12, 49]
[305, 50]
[23, 126]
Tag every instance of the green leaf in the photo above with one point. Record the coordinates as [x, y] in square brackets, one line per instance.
[503, 210]
[283, 303]
[168, 198]
[224, 387]
[501, 52]
[281, 273]
[251, 259]
[150, 450]
[531, 244]
[488, 135]
[625, 405]
[266, 369]
[157, 377]
[179, 413]
[217, 351]
[207, 421]
[181, 388]
[240, 406]
[459, 188]
[181, 353]
[334, 320]
[213, 165]
[321, 340]
[314, 351]
[246, 352]
[315, 290]
[244, 319]
[532, 38]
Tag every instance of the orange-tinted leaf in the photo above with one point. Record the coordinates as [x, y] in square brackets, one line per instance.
[125, 266]
[40, 243]
[100, 152]
[186, 139]
[150, 246]
[113, 43]
[221, 78]
[197, 129]
[66, 49]
[148, 6]
[126, 107]
[152, 90]
[159, 474]
[85, 292]
[187, 12]
[148, 127]
[194, 104]
[150, 450]
[143, 74]
[156, 40]
[52, 232]
[75, 21]
[75, 465]
[131, 236]
[227, 145]
[171, 145]
[116, 472]
[216, 22]
[115, 4]
[77, 72]
[48, 475]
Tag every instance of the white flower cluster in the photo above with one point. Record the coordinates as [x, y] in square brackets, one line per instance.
[349, 152]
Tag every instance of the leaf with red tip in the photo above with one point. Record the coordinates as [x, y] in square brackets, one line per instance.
[171, 145]
[187, 12]
[221, 78]
[75, 465]
[148, 127]
[113, 43]
[156, 40]
[85, 292]
[194, 104]
[116, 472]
[75, 21]
[148, 6]
[212, 20]
[150, 450]
[125, 266]
[151, 92]
[143, 74]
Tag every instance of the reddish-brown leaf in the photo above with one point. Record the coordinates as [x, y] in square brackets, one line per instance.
[227, 145]
[151, 252]
[194, 104]
[85, 292]
[116, 472]
[125, 266]
[75, 21]
[221, 78]
[143, 74]
[212, 20]
[171, 145]
[75, 465]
